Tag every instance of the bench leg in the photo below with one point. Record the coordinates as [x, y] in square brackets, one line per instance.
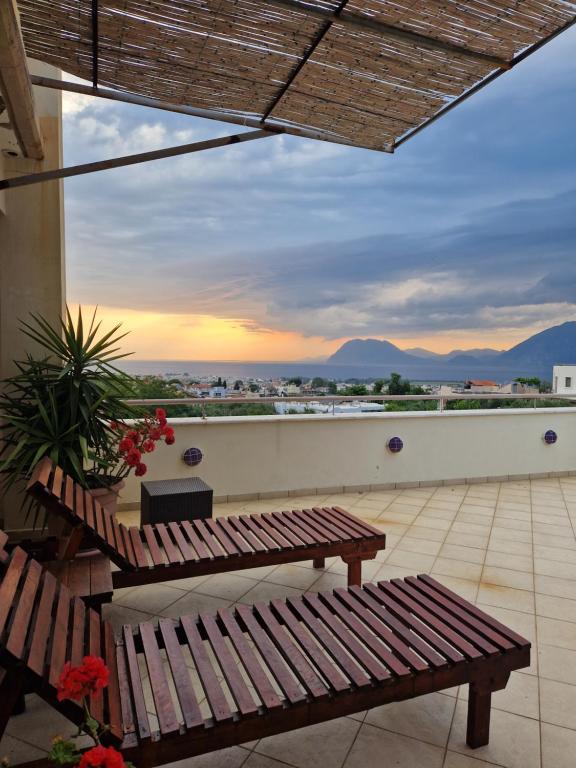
[11, 696]
[319, 562]
[354, 572]
[478, 726]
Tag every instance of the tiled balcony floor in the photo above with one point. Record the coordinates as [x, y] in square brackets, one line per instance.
[510, 547]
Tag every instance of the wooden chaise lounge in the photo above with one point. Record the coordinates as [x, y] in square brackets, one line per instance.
[261, 669]
[194, 548]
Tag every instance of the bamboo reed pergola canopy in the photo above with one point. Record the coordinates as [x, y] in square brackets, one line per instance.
[362, 72]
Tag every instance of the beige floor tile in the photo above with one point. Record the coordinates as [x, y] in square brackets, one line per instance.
[520, 697]
[467, 540]
[549, 585]
[555, 568]
[369, 568]
[194, 603]
[393, 572]
[439, 514]
[228, 586]
[232, 757]
[471, 529]
[374, 746]
[554, 632]
[558, 747]
[457, 568]
[505, 597]
[152, 598]
[436, 523]
[265, 590]
[508, 534]
[427, 718]
[463, 587]
[455, 760]
[564, 542]
[511, 547]
[424, 547]
[118, 615]
[556, 607]
[318, 746]
[398, 518]
[15, 751]
[514, 740]
[412, 560]
[558, 703]
[557, 664]
[261, 761]
[555, 554]
[508, 560]
[429, 534]
[466, 554]
[300, 578]
[472, 519]
[504, 577]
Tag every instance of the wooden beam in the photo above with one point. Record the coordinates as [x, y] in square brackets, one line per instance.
[15, 83]
[142, 157]
[369, 24]
[183, 109]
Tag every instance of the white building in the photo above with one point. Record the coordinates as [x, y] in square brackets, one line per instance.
[564, 379]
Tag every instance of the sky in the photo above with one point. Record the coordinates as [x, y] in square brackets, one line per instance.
[284, 248]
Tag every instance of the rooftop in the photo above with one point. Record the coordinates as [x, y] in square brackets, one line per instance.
[510, 547]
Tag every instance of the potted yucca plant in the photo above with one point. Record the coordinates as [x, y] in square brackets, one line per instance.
[66, 403]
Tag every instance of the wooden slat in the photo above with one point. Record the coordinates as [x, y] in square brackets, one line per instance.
[128, 716]
[359, 525]
[89, 510]
[141, 559]
[257, 675]
[128, 546]
[284, 519]
[109, 528]
[320, 530]
[68, 497]
[272, 531]
[300, 519]
[214, 693]
[405, 634]
[41, 473]
[118, 538]
[335, 526]
[199, 546]
[135, 684]
[99, 520]
[58, 484]
[114, 718]
[438, 613]
[335, 532]
[43, 626]
[283, 530]
[270, 655]
[181, 676]
[95, 645]
[258, 532]
[242, 696]
[187, 553]
[414, 623]
[23, 613]
[239, 542]
[171, 550]
[79, 502]
[206, 535]
[374, 667]
[60, 635]
[247, 534]
[335, 679]
[100, 575]
[220, 535]
[484, 617]
[78, 642]
[329, 642]
[165, 711]
[344, 523]
[10, 584]
[291, 653]
[153, 547]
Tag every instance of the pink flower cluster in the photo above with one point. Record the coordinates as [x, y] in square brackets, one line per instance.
[141, 438]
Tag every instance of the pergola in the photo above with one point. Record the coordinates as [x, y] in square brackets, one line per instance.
[365, 73]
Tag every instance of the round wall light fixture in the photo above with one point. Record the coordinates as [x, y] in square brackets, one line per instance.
[192, 457]
[395, 444]
[550, 437]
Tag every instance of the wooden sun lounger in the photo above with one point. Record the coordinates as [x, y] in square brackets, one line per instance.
[163, 552]
[261, 669]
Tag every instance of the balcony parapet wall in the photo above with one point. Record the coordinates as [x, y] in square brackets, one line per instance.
[248, 457]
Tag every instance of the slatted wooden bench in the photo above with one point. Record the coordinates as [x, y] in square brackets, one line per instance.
[179, 550]
[261, 669]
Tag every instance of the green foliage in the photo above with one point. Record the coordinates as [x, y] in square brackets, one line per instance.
[318, 382]
[253, 388]
[64, 752]
[332, 387]
[412, 405]
[355, 389]
[61, 404]
[297, 381]
[378, 386]
[397, 385]
[157, 388]
[238, 384]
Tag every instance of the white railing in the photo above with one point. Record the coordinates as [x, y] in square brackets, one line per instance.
[332, 400]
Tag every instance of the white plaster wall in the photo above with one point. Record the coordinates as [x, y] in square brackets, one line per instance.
[268, 454]
[559, 376]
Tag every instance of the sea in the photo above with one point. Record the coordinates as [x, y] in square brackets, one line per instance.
[420, 371]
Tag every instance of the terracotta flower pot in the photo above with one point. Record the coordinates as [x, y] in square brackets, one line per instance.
[108, 495]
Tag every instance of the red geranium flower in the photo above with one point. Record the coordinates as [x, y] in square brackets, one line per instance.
[170, 440]
[125, 445]
[155, 433]
[168, 431]
[160, 413]
[77, 682]
[148, 445]
[140, 469]
[133, 435]
[102, 757]
[133, 457]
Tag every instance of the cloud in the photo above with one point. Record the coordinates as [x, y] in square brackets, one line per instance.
[470, 226]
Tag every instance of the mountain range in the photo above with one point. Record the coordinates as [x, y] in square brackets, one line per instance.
[533, 357]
